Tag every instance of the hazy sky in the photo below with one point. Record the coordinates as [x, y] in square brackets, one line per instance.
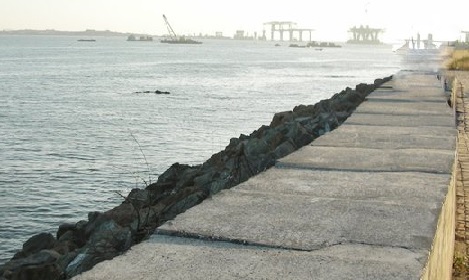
[330, 18]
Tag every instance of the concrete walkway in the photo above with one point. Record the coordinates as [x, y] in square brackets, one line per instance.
[361, 202]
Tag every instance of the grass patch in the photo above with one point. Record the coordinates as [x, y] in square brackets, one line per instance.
[460, 265]
[459, 64]
[459, 60]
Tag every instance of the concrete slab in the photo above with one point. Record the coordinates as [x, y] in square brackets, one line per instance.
[362, 159]
[381, 119]
[403, 96]
[412, 80]
[390, 137]
[184, 258]
[307, 222]
[390, 187]
[404, 108]
[432, 92]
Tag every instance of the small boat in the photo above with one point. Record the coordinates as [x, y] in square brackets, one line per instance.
[296, 46]
[420, 47]
[420, 51]
[86, 40]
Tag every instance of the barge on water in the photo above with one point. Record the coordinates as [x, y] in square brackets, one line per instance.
[175, 39]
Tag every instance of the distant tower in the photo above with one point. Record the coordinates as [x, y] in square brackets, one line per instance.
[418, 40]
[429, 43]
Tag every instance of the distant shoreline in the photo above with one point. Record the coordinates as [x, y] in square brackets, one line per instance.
[88, 32]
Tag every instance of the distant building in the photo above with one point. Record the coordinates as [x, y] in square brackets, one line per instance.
[240, 35]
[467, 36]
[142, 38]
[263, 37]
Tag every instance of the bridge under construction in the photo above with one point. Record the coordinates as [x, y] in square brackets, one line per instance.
[365, 35]
[288, 27]
[288, 31]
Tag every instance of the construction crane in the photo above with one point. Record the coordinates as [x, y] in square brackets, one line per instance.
[171, 32]
[175, 39]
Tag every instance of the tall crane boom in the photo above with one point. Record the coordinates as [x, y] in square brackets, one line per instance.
[171, 32]
[174, 38]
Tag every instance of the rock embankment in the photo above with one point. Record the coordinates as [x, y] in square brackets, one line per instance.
[78, 247]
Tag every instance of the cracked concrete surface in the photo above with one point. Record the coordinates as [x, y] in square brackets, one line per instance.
[182, 258]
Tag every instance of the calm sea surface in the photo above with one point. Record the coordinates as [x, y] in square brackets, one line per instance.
[71, 121]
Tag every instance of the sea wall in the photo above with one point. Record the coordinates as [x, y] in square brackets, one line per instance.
[78, 247]
[448, 244]
[460, 84]
[440, 261]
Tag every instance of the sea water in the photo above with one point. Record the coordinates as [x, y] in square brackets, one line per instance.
[77, 128]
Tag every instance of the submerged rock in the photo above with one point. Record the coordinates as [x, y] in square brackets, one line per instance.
[155, 92]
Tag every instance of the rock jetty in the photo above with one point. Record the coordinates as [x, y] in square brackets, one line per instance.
[78, 247]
